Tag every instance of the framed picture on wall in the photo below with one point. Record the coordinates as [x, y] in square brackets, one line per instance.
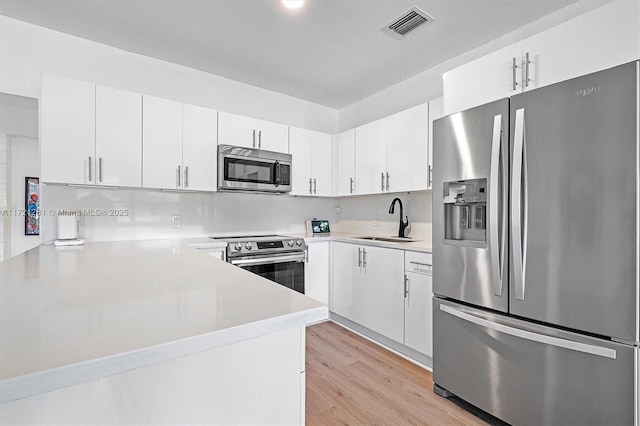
[32, 206]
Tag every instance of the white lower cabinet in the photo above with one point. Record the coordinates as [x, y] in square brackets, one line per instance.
[368, 287]
[385, 290]
[418, 333]
[316, 271]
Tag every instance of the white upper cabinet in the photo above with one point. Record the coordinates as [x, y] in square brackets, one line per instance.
[162, 143]
[391, 153]
[371, 157]
[91, 135]
[300, 150]
[346, 162]
[597, 40]
[272, 136]
[179, 145]
[407, 147]
[483, 80]
[250, 132]
[322, 163]
[67, 130]
[118, 137]
[236, 130]
[601, 39]
[199, 148]
[311, 162]
[435, 112]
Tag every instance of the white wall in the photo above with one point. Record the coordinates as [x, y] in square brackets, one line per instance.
[428, 84]
[24, 161]
[4, 220]
[18, 115]
[29, 50]
[18, 124]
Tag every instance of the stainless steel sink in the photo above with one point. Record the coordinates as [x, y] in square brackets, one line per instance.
[389, 239]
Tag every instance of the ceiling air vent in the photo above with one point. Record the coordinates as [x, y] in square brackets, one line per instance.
[407, 22]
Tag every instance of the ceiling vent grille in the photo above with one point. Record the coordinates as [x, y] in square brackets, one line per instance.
[407, 22]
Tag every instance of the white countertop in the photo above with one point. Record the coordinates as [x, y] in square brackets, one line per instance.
[73, 314]
[419, 245]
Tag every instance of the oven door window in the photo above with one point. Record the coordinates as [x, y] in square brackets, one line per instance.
[245, 170]
[288, 274]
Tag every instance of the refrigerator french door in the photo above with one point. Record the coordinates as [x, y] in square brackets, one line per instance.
[470, 202]
[563, 348]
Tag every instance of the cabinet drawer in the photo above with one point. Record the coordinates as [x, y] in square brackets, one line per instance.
[418, 262]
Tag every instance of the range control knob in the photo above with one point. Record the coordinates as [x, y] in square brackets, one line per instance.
[299, 243]
[238, 247]
[290, 243]
[248, 246]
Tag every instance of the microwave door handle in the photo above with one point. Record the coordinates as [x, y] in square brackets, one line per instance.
[277, 172]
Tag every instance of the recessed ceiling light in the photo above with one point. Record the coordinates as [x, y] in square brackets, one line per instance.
[293, 4]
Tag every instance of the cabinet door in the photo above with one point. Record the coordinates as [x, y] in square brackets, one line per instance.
[300, 150]
[272, 136]
[199, 148]
[237, 130]
[118, 137]
[382, 292]
[407, 149]
[418, 330]
[346, 147]
[316, 271]
[574, 48]
[483, 80]
[67, 147]
[321, 163]
[346, 298]
[161, 143]
[435, 112]
[371, 157]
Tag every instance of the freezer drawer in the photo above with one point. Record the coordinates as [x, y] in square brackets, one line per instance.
[524, 373]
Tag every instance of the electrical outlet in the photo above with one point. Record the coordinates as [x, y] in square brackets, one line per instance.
[336, 210]
[176, 221]
[376, 220]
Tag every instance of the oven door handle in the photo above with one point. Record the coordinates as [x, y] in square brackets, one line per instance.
[298, 257]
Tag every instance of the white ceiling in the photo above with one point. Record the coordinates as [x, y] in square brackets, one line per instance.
[331, 52]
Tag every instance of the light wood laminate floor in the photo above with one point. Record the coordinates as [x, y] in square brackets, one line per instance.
[352, 381]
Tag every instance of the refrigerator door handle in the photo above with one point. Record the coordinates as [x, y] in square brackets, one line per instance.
[497, 202]
[518, 205]
[529, 335]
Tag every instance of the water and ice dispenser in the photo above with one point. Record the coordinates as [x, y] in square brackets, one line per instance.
[465, 213]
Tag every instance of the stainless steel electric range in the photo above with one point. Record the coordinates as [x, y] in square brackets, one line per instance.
[276, 257]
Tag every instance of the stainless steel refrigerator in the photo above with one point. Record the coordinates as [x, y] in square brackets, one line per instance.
[535, 249]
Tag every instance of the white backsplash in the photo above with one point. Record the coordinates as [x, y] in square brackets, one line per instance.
[369, 214]
[202, 214]
[224, 214]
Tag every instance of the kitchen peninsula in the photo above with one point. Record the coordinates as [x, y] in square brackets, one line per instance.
[148, 332]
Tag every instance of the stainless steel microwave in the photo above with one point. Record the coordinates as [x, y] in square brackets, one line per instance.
[248, 169]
